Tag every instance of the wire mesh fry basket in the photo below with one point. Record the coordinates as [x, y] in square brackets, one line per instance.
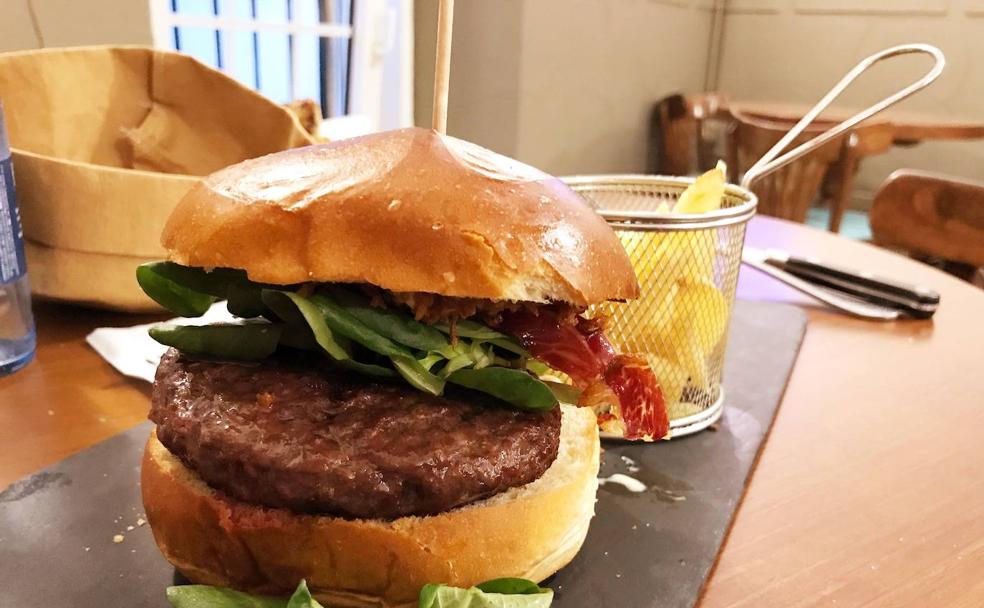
[687, 264]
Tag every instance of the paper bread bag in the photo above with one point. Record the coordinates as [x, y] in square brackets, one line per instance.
[105, 141]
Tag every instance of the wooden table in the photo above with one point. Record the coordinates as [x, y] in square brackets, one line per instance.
[909, 127]
[869, 491]
[68, 398]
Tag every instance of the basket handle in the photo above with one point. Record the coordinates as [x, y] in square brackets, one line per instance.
[771, 160]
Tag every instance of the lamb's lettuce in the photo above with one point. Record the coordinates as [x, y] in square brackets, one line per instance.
[513, 386]
[498, 593]
[205, 596]
[236, 341]
[341, 323]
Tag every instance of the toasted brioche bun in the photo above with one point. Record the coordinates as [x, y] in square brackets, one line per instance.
[407, 210]
[531, 531]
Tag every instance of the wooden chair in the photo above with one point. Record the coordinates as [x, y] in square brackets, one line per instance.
[932, 217]
[688, 134]
[836, 166]
[865, 140]
[789, 192]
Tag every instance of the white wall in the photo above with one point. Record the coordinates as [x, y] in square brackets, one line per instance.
[794, 50]
[591, 71]
[565, 85]
[483, 103]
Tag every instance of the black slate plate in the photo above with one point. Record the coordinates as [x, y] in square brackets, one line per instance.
[644, 550]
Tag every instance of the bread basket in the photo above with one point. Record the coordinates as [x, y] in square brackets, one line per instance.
[105, 141]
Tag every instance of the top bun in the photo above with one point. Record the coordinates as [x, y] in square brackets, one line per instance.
[407, 210]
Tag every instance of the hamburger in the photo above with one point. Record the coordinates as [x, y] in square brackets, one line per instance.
[412, 389]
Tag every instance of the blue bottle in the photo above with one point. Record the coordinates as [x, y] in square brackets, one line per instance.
[16, 321]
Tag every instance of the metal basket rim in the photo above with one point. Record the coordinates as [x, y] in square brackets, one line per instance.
[628, 219]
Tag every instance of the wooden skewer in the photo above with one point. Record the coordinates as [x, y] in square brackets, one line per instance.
[442, 66]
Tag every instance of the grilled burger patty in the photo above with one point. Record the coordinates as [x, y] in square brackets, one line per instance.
[284, 434]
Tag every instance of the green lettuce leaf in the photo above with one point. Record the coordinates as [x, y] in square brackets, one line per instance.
[215, 282]
[417, 375]
[245, 300]
[334, 320]
[513, 386]
[236, 341]
[344, 323]
[306, 324]
[188, 292]
[204, 596]
[171, 294]
[510, 345]
[464, 328]
[302, 598]
[511, 586]
[395, 325]
[499, 593]
[367, 369]
[431, 359]
[296, 310]
[454, 364]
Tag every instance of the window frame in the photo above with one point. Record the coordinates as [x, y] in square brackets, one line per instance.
[379, 27]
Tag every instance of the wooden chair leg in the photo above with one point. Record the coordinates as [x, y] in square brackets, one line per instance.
[978, 279]
[848, 171]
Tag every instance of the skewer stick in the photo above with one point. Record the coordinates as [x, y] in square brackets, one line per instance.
[442, 66]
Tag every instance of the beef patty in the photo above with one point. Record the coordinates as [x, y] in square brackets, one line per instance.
[287, 435]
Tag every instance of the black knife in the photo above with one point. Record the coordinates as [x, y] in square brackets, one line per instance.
[912, 300]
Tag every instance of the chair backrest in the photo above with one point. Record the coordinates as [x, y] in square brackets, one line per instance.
[688, 134]
[788, 192]
[930, 214]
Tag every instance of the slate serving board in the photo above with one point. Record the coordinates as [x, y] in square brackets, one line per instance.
[644, 550]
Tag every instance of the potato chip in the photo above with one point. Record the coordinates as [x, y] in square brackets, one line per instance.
[709, 314]
[705, 194]
[699, 316]
[681, 316]
[687, 256]
[636, 326]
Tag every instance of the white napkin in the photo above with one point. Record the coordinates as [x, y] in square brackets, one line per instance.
[134, 353]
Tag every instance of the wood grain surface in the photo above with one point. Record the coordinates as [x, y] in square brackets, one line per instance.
[910, 127]
[869, 491]
[68, 398]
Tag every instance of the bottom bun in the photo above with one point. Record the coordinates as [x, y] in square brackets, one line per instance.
[530, 531]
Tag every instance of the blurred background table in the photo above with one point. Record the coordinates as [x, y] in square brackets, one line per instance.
[908, 127]
[689, 133]
[868, 492]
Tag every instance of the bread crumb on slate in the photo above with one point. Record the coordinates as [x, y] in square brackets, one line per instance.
[118, 538]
